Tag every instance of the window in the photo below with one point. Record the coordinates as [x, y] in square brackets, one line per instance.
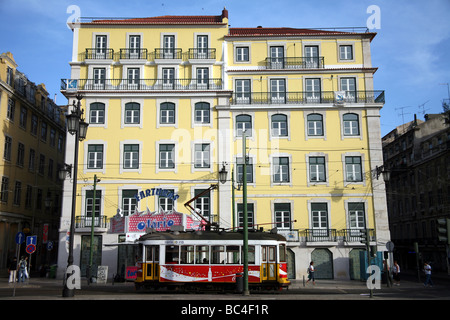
[202, 254]
[218, 254]
[202, 156]
[100, 46]
[34, 124]
[99, 77]
[4, 189]
[356, 215]
[346, 52]
[351, 124]
[315, 124]
[21, 154]
[132, 113]
[97, 113]
[133, 76]
[129, 202]
[187, 255]
[52, 137]
[31, 160]
[165, 203]
[168, 77]
[312, 90]
[349, 86]
[11, 109]
[17, 193]
[29, 196]
[242, 91]
[281, 169]
[23, 117]
[279, 125]
[278, 90]
[135, 46]
[44, 131]
[232, 254]
[277, 57]
[202, 46]
[319, 217]
[353, 169]
[131, 156]
[242, 54]
[166, 156]
[240, 170]
[7, 148]
[317, 169]
[41, 167]
[312, 56]
[243, 123]
[202, 76]
[283, 215]
[95, 156]
[167, 113]
[250, 215]
[169, 47]
[202, 113]
[203, 203]
[90, 203]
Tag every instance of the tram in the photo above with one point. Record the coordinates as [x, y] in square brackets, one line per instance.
[210, 260]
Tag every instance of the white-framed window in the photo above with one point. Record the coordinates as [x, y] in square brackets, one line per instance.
[166, 203]
[242, 91]
[240, 169]
[282, 215]
[202, 157]
[95, 156]
[279, 125]
[312, 86]
[129, 202]
[315, 124]
[203, 203]
[278, 90]
[242, 54]
[319, 219]
[353, 169]
[167, 113]
[281, 169]
[202, 112]
[243, 123]
[346, 52]
[351, 124]
[132, 113]
[356, 215]
[317, 171]
[277, 57]
[166, 156]
[250, 215]
[97, 113]
[131, 156]
[311, 56]
[349, 86]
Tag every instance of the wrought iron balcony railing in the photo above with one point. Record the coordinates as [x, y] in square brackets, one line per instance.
[168, 53]
[139, 84]
[99, 53]
[202, 53]
[355, 235]
[322, 97]
[132, 53]
[295, 63]
[320, 235]
[86, 222]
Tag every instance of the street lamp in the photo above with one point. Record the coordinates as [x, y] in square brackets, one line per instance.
[78, 127]
[223, 174]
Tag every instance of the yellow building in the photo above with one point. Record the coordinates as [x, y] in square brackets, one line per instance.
[33, 135]
[167, 100]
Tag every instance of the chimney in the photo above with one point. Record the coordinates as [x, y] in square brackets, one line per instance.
[224, 13]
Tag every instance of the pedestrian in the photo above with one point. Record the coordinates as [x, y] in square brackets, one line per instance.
[311, 273]
[396, 273]
[12, 270]
[427, 270]
[22, 269]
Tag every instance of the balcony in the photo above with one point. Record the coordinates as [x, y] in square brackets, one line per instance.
[322, 97]
[99, 53]
[355, 235]
[320, 235]
[295, 63]
[75, 85]
[202, 53]
[101, 222]
[132, 53]
[168, 53]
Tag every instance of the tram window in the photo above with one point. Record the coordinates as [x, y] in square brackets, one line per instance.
[232, 254]
[217, 254]
[139, 253]
[272, 254]
[282, 253]
[149, 253]
[251, 254]
[172, 254]
[187, 255]
[202, 254]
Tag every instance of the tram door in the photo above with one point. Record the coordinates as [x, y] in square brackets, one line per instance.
[268, 263]
[152, 262]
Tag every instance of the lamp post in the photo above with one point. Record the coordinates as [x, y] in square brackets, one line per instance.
[77, 127]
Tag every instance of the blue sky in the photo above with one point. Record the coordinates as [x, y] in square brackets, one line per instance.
[411, 48]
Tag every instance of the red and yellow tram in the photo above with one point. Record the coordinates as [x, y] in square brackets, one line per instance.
[201, 260]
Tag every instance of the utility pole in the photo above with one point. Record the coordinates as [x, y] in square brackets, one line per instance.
[91, 250]
[244, 196]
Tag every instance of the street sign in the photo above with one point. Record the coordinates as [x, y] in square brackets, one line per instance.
[50, 245]
[31, 248]
[20, 237]
[31, 240]
[390, 246]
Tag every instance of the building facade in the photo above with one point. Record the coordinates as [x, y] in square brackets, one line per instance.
[169, 99]
[418, 158]
[34, 137]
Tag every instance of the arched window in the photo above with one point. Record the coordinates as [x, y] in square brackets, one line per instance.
[243, 123]
[279, 125]
[202, 113]
[315, 124]
[351, 124]
[167, 113]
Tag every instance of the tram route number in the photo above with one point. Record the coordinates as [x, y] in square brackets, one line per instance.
[238, 309]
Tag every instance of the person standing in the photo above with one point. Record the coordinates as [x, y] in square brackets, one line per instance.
[311, 273]
[22, 269]
[427, 270]
[396, 273]
[13, 270]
